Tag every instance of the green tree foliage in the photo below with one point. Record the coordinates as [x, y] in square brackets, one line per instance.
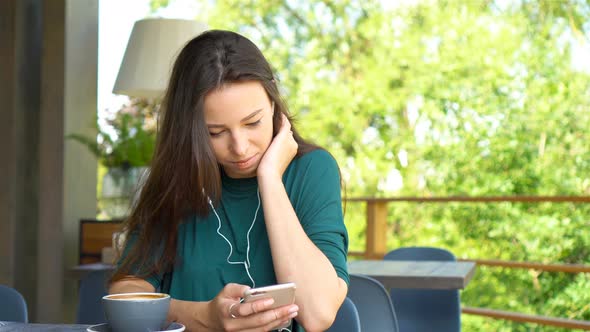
[438, 98]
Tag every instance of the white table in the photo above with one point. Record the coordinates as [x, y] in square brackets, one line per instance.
[416, 274]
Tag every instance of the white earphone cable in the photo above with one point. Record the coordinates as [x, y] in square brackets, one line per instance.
[246, 263]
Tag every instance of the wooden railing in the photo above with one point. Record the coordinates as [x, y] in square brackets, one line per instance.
[376, 247]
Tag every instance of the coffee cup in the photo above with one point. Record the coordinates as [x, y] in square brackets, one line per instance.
[136, 312]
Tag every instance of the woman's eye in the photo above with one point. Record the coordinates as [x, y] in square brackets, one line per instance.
[253, 124]
[215, 134]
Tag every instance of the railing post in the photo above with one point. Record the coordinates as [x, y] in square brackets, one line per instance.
[376, 245]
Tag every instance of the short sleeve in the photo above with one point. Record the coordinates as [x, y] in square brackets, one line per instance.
[316, 195]
[154, 279]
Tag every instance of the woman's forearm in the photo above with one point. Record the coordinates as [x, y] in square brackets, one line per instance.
[191, 314]
[296, 259]
[131, 284]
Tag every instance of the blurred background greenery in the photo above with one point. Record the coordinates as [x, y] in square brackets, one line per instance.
[440, 98]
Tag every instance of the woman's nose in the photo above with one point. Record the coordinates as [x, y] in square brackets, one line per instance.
[239, 143]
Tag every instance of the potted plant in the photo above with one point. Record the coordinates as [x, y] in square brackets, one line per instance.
[124, 147]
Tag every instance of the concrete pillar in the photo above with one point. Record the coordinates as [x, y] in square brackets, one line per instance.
[48, 83]
[20, 38]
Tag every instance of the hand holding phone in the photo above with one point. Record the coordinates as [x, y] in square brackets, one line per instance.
[282, 294]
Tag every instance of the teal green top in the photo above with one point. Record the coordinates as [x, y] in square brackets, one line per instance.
[312, 182]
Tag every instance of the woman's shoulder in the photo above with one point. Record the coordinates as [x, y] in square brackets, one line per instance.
[317, 161]
[317, 157]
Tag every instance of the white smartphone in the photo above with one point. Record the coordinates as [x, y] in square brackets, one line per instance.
[283, 294]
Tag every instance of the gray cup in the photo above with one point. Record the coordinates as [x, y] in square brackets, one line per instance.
[136, 312]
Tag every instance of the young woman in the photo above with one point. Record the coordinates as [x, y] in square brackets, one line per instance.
[235, 199]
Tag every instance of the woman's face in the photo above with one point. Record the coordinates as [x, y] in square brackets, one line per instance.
[239, 120]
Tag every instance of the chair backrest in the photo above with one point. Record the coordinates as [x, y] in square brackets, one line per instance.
[92, 289]
[347, 318]
[421, 310]
[420, 254]
[373, 304]
[13, 306]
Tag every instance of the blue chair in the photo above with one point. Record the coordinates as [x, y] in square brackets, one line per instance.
[92, 289]
[13, 306]
[425, 310]
[347, 318]
[373, 304]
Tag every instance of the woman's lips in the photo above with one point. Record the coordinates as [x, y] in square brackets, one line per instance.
[245, 163]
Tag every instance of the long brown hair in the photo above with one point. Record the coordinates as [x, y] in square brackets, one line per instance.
[184, 171]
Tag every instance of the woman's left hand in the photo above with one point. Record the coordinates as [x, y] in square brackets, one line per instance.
[280, 152]
[227, 313]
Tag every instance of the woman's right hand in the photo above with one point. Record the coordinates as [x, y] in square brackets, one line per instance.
[226, 313]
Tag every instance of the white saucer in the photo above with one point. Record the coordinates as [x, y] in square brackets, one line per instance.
[174, 327]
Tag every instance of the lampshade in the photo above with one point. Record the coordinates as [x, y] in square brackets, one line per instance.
[150, 54]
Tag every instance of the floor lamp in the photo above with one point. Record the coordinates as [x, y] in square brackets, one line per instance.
[152, 48]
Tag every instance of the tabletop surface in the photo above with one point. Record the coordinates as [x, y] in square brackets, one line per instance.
[79, 271]
[392, 274]
[416, 274]
[13, 327]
